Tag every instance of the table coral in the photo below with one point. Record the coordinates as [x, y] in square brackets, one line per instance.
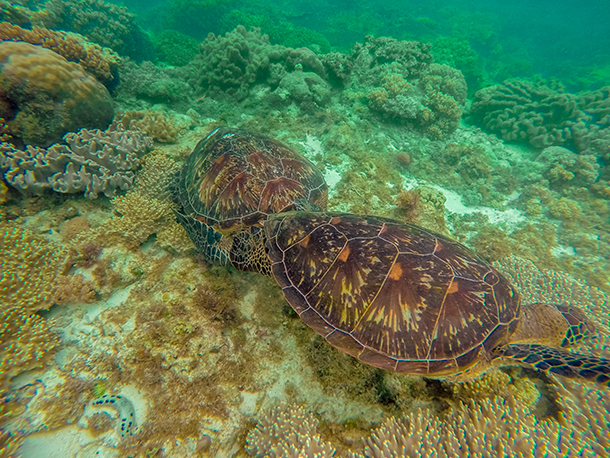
[100, 62]
[91, 161]
[43, 96]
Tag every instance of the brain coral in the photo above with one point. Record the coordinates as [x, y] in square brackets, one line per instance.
[43, 96]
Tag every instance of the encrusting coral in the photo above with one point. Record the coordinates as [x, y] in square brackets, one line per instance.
[100, 62]
[92, 162]
[43, 96]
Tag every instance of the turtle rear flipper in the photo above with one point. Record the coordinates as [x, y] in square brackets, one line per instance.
[561, 362]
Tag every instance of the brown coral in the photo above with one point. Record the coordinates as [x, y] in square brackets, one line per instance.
[156, 124]
[43, 96]
[29, 266]
[100, 62]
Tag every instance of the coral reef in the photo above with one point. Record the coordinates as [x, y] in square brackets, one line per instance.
[287, 431]
[104, 23]
[478, 429]
[306, 89]
[144, 210]
[30, 267]
[91, 161]
[144, 84]
[232, 64]
[175, 48]
[157, 125]
[542, 114]
[100, 62]
[424, 206]
[401, 83]
[43, 96]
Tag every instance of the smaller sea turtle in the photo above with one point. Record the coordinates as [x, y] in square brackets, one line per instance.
[231, 182]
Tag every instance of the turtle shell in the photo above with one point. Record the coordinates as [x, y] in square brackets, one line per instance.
[231, 182]
[393, 295]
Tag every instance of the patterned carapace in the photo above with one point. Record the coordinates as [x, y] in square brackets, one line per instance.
[233, 180]
[401, 298]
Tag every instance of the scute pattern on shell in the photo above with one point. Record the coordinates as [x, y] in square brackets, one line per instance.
[393, 295]
[232, 181]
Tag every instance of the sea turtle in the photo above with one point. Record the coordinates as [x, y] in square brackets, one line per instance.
[231, 182]
[402, 298]
[393, 295]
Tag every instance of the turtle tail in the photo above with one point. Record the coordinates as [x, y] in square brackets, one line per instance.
[560, 362]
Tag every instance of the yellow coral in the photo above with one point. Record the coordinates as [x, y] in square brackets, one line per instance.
[156, 124]
[29, 266]
[146, 209]
[25, 340]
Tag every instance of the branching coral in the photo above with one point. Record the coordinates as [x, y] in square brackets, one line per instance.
[43, 96]
[100, 62]
[146, 209]
[400, 82]
[92, 161]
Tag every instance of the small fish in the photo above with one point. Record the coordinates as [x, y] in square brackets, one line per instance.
[201, 98]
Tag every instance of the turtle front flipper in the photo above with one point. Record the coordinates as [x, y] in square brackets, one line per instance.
[560, 362]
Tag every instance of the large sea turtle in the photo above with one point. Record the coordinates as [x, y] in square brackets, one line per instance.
[393, 295]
